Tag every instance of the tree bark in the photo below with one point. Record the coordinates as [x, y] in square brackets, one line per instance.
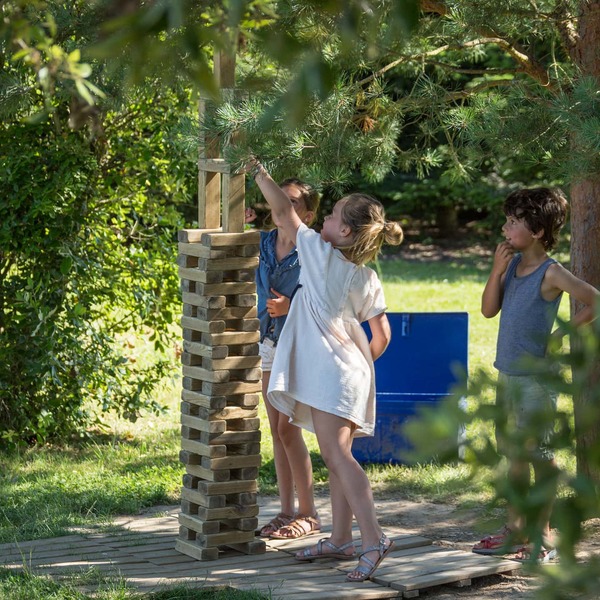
[585, 248]
[585, 239]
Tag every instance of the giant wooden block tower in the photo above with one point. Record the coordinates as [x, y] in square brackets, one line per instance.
[220, 436]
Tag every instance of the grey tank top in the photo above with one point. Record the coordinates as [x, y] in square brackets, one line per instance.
[526, 319]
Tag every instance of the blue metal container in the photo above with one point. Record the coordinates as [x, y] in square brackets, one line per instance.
[418, 369]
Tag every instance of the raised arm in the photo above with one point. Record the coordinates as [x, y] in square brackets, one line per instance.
[283, 213]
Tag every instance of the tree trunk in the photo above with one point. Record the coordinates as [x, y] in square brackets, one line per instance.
[585, 248]
[585, 233]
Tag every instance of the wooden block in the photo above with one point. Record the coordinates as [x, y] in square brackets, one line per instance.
[230, 338]
[246, 275]
[246, 449]
[227, 288]
[243, 324]
[200, 251]
[242, 299]
[216, 239]
[188, 409]
[195, 235]
[214, 301]
[245, 424]
[208, 474]
[227, 264]
[216, 501]
[202, 326]
[204, 450]
[243, 474]
[229, 388]
[249, 250]
[226, 487]
[189, 310]
[200, 349]
[214, 165]
[193, 523]
[245, 374]
[234, 193]
[244, 350]
[227, 512]
[210, 426]
[244, 498]
[255, 547]
[232, 362]
[228, 412]
[183, 260]
[213, 403]
[250, 524]
[225, 314]
[209, 196]
[225, 538]
[187, 534]
[230, 437]
[190, 549]
[230, 462]
[206, 375]
[201, 277]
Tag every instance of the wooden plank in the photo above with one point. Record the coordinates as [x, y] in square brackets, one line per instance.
[231, 338]
[207, 474]
[214, 165]
[207, 375]
[217, 239]
[232, 362]
[190, 236]
[204, 450]
[214, 301]
[227, 288]
[231, 462]
[231, 387]
[201, 251]
[227, 487]
[205, 350]
[228, 264]
[234, 193]
[201, 277]
[215, 403]
[215, 426]
[227, 313]
[190, 549]
[202, 326]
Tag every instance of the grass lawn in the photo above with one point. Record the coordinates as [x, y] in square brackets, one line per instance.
[48, 491]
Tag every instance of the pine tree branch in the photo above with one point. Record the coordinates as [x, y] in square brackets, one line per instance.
[567, 27]
[528, 63]
[481, 87]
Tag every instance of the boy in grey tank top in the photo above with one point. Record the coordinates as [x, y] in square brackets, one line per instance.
[526, 287]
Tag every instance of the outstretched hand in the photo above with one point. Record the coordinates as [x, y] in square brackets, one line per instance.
[249, 215]
[278, 306]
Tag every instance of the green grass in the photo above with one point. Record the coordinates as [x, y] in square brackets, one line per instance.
[25, 586]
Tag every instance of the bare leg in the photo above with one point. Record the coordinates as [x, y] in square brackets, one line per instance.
[285, 481]
[298, 459]
[546, 475]
[351, 491]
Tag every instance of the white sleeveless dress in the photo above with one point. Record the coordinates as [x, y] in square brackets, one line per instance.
[323, 358]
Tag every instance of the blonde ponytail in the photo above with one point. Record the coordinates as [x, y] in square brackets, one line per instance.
[366, 218]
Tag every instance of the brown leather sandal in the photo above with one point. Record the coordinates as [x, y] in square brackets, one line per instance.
[281, 520]
[301, 525]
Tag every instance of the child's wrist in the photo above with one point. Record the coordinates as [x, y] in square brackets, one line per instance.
[257, 171]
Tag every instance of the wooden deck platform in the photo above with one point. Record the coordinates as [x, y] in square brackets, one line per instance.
[142, 551]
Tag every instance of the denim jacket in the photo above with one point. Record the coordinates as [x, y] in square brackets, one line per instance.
[281, 276]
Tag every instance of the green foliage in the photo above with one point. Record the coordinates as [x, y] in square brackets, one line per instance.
[575, 498]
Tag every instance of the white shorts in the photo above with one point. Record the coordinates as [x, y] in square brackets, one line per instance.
[266, 350]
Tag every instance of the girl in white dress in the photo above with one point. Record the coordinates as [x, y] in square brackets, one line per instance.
[322, 376]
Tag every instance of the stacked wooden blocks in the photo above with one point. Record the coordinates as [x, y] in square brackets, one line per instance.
[220, 436]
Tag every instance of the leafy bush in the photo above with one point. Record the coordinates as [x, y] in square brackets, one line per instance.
[87, 268]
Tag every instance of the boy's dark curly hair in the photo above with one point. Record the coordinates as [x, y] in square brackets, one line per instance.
[541, 208]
